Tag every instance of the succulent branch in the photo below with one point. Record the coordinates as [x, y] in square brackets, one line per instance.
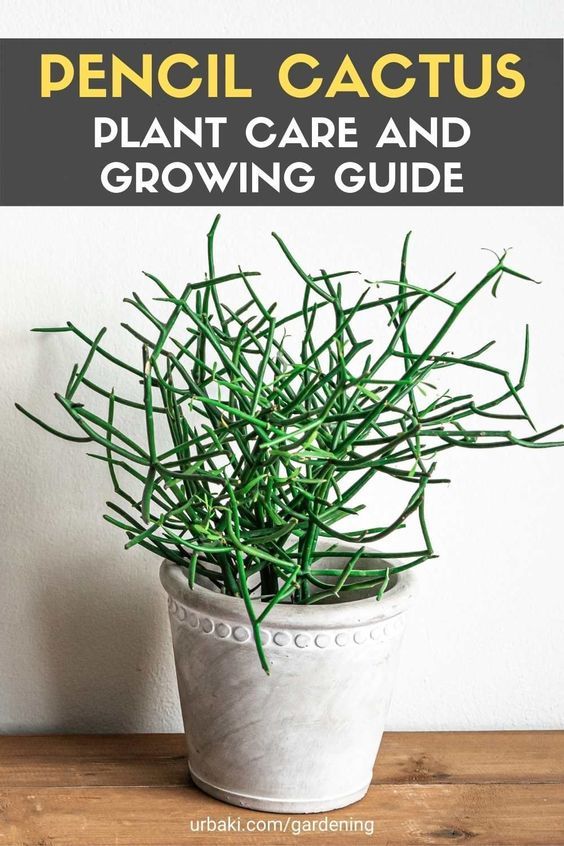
[264, 452]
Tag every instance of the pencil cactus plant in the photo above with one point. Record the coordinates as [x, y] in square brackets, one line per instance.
[252, 454]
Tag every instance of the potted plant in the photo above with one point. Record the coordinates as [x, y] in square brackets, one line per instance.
[260, 433]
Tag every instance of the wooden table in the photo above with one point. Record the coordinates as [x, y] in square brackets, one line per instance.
[494, 788]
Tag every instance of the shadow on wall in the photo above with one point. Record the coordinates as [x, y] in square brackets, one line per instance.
[99, 639]
[95, 656]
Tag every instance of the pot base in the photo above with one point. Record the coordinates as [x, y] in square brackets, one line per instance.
[279, 806]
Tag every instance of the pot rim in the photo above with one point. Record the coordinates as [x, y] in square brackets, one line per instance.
[174, 579]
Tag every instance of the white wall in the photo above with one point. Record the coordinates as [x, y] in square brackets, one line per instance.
[84, 643]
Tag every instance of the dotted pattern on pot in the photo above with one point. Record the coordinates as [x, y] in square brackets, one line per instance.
[379, 633]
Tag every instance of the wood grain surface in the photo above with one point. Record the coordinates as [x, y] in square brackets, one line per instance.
[490, 788]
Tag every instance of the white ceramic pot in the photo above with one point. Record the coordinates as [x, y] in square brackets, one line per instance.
[303, 739]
